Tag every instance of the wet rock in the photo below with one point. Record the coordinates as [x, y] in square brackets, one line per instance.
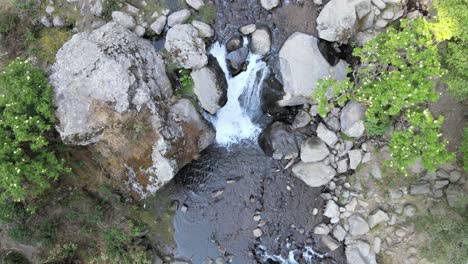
[409, 210]
[330, 243]
[314, 174]
[158, 25]
[301, 66]
[351, 118]
[440, 184]
[359, 252]
[326, 135]
[278, 141]
[357, 225]
[210, 86]
[186, 47]
[257, 232]
[313, 149]
[301, 119]
[260, 42]
[332, 211]
[123, 19]
[355, 157]
[377, 218]
[204, 30]
[236, 60]
[420, 188]
[339, 232]
[321, 229]
[195, 4]
[339, 20]
[179, 17]
[248, 29]
[269, 4]
[236, 42]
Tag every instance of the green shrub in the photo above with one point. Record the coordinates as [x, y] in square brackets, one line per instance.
[115, 243]
[49, 41]
[186, 83]
[207, 13]
[8, 22]
[62, 253]
[28, 164]
[20, 233]
[28, 6]
[11, 211]
[464, 149]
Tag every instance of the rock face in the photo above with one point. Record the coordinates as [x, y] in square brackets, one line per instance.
[301, 66]
[186, 47]
[111, 90]
[313, 149]
[351, 118]
[210, 86]
[314, 174]
[339, 19]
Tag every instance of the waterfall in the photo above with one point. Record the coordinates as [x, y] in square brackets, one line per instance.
[233, 122]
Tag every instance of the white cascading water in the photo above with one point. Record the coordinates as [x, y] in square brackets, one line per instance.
[232, 122]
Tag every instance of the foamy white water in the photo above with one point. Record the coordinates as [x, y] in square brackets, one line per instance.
[232, 122]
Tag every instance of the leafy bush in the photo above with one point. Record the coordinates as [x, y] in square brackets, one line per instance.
[397, 75]
[464, 149]
[28, 163]
[448, 238]
[8, 22]
[28, 6]
[20, 233]
[114, 242]
[62, 253]
[10, 212]
[186, 83]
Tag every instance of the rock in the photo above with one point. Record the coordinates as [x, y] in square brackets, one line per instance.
[301, 66]
[359, 252]
[440, 184]
[57, 21]
[330, 243]
[186, 47]
[158, 25]
[260, 42]
[236, 60]
[104, 88]
[301, 119]
[394, 193]
[357, 225]
[210, 86]
[413, 14]
[442, 174]
[204, 30]
[377, 218]
[333, 122]
[49, 10]
[351, 119]
[314, 174]
[388, 14]
[131, 9]
[313, 149]
[179, 17]
[236, 42]
[381, 23]
[377, 245]
[248, 29]
[420, 188]
[339, 232]
[46, 22]
[278, 141]
[352, 205]
[455, 176]
[326, 135]
[195, 4]
[139, 30]
[339, 20]
[363, 37]
[366, 158]
[355, 157]
[269, 4]
[321, 229]
[332, 211]
[380, 4]
[410, 210]
[257, 218]
[257, 232]
[456, 197]
[342, 166]
[318, 2]
[123, 19]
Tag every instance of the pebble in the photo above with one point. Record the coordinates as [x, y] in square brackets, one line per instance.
[315, 211]
[257, 232]
[257, 218]
[332, 185]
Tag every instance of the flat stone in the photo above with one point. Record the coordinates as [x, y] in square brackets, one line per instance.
[440, 184]
[455, 176]
[342, 166]
[326, 135]
[357, 225]
[379, 3]
[359, 252]
[248, 29]
[179, 17]
[377, 244]
[139, 30]
[314, 149]
[381, 23]
[377, 218]
[332, 211]
[339, 232]
[158, 25]
[355, 157]
[388, 14]
[321, 229]
[195, 4]
[301, 119]
[204, 30]
[330, 243]
[420, 188]
[314, 174]
[124, 19]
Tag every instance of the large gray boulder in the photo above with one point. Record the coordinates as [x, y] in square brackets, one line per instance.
[314, 149]
[359, 252]
[301, 66]
[340, 20]
[351, 119]
[112, 92]
[314, 174]
[358, 225]
[186, 47]
[210, 86]
[260, 41]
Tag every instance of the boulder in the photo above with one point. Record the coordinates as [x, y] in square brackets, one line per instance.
[301, 119]
[351, 119]
[195, 4]
[236, 60]
[260, 42]
[179, 17]
[234, 43]
[186, 47]
[269, 4]
[378, 217]
[420, 188]
[247, 29]
[112, 92]
[339, 20]
[301, 66]
[339, 232]
[314, 174]
[139, 30]
[210, 86]
[330, 243]
[355, 157]
[158, 25]
[332, 211]
[326, 135]
[278, 141]
[204, 30]
[359, 252]
[321, 229]
[357, 225]
[314, 149]
[123, 19]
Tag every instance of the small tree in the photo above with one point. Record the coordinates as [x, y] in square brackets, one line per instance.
[28, 163]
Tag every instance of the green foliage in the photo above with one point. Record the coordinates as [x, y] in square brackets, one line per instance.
[448, 238]
[186, 82]
[419, 139]
[330, 91]
[20, 233]
[207, 13]
[464, 149]
[28, 6]
[114, 242]
[62, 253]
[8, 22]
[49, 41]
[28, 163]
[13, 257]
